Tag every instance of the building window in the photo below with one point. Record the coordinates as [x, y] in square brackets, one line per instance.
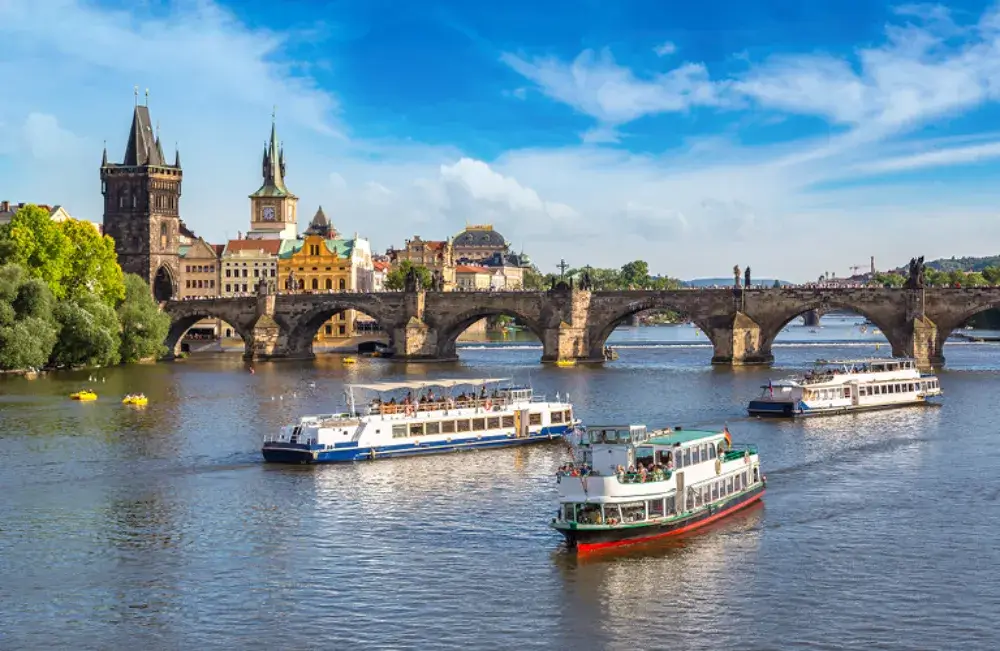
[228, 288]
[164, 240]
[329, 329]
[343, 284]
[315, 283]
[343, 330]
[329, 284]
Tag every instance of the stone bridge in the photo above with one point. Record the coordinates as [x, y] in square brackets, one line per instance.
[574, 324]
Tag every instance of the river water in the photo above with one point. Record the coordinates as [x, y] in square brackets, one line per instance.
[162, 528]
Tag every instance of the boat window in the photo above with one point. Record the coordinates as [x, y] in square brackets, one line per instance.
[690, 500]
[738, 482]
[416, 429]
[656, 508]
[669, 504]
[847, 392]
[715, 490]
[711, 451]
[535, 419]
[696, 455]
[448, 427]
[633, 511]
[462, 425]
[434, 428]
[687, 457]
[398, 431]
[611, 513]
[557, 417]
[493, 423]
[568, 415]
[478, 424]
[729, 485]
[588, 513]
[508, 421]
[567, 512]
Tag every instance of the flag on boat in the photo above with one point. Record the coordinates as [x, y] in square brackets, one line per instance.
[729, 438]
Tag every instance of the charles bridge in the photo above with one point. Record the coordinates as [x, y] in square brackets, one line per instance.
[574, 324]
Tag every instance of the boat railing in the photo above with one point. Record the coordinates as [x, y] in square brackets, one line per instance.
[644, 478]
[739, 451]
[411, 409]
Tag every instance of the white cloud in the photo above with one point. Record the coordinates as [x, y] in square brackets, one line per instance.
[596, 85]
[664, 49]
[692, 211]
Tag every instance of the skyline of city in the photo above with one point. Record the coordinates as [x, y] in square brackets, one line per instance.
[795, 148]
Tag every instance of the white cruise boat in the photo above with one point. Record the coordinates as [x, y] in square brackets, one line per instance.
[835, 387]
[422, 422]
[630, 485]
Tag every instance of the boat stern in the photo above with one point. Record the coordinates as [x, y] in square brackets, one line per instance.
[775, 408]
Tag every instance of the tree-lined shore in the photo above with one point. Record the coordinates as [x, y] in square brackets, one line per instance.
[64, 301]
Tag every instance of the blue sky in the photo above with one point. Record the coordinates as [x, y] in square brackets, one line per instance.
[794, 137]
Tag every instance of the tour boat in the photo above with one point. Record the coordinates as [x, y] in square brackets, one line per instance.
[423, 423]
[835, 387]
[630, 485]
[84, 396]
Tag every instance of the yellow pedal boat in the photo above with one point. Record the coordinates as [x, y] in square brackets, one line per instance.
[84, 396]
[564, 363]
[139, 401]
[350, 360]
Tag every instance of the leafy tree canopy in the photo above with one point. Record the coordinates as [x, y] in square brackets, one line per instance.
[143, 325]
[37, 244]
[27, 327]
[396, 279]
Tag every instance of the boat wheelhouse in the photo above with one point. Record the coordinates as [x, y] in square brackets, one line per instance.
[631, 485]
[429, 419]
[835, 387]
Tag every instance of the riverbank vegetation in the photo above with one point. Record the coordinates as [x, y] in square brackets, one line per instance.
[64, 301]
[632, 275]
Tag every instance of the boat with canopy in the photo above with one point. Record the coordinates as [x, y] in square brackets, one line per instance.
[406, 418]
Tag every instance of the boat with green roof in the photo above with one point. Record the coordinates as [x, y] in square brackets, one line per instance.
[630, 485]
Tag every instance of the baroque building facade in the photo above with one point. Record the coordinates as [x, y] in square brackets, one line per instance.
[142, 207]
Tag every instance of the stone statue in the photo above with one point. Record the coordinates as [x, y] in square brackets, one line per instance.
[410, 283]
[746, 277]
[736, 275]
[291, 281]
[915, 279]
[262, 287]
[585, 281]
[437, 281]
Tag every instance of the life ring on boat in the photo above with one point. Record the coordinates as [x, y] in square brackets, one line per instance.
[718, 466]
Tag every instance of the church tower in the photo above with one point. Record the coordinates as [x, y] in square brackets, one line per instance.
[273, 209]
[142, 206]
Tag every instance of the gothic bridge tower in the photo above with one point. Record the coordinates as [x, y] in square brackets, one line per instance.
[142, 206]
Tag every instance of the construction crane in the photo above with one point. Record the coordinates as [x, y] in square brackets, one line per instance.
[855, 267]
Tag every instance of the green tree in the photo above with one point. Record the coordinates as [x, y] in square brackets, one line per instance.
[889, 279]
[935, 278]
[93, 264]
[533, 279]
[635, 273]
[27, 328]
[38, 245]
[974, 279]
[143, 325]
[992, 275]
[396, 279]
[88, 333]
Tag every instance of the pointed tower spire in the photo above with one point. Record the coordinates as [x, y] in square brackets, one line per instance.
[104, 157]
[274, 168]
[177, 156]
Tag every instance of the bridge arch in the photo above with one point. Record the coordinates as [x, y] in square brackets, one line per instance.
[179, 325]
[600, 332]
[303, 330]
[164, 284]
[772, 327]
[448, 332]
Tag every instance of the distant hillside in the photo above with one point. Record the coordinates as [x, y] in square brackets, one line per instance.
[958, 264]
[727, 282]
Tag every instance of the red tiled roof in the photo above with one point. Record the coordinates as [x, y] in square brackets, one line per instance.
[267, 246]
[218, 248]
[380, 265]
[469, 269]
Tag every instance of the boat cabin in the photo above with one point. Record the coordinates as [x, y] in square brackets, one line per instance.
[610, 446]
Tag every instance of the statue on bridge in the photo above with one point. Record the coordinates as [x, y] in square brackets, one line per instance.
[736, 275]
[437, 281]
[263, 288]
[916, 275]
[746, 277]
[412, 282]
[585, 281]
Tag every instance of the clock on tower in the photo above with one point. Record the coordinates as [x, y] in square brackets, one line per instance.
[268, 214]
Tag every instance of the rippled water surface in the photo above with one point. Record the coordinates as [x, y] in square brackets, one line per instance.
[162, 529]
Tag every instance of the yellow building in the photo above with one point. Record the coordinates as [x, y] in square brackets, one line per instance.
[318, 265]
